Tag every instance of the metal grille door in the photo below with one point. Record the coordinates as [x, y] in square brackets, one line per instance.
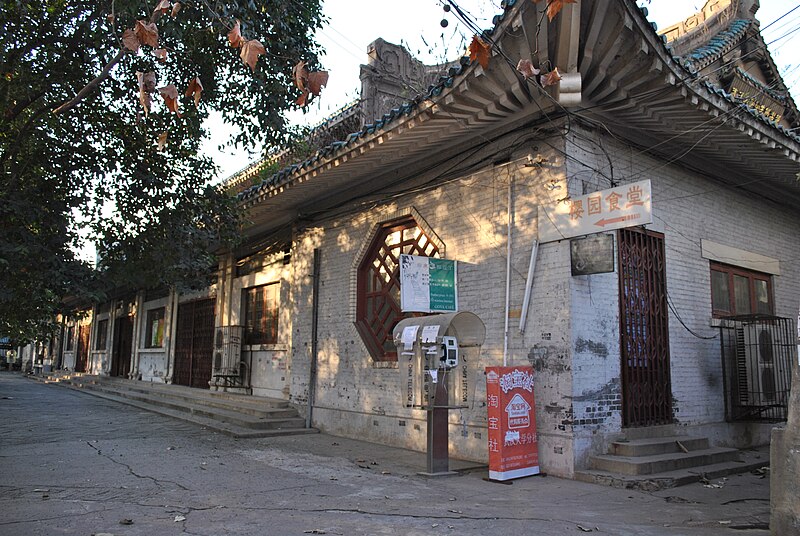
[646, 388]
[194, 345]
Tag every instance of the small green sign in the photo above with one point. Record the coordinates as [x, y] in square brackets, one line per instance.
[443, 284]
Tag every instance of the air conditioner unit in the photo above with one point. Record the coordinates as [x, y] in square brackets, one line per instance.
[227, 350]
[762, 366]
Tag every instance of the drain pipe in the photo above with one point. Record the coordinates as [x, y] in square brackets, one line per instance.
[312, 373]
[528, 286]
[508, 273]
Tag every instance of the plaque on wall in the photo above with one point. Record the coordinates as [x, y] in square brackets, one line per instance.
[593, 254]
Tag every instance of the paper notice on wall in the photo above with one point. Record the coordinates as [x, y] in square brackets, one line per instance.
[409, 336]
[434, 375]
[429, 334]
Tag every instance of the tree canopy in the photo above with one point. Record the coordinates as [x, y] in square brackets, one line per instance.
[82, 156]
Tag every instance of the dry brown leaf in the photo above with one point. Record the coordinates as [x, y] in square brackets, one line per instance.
[110, 18]
[175, 8]
[147, 81]
[130, 41]
[300, 75]
[554, 7]
[251, 50]
[147, 84]
[170, 94]
[147, 32]
[302, 100]
[235, 36]
[163, 6]
[162, 140]
[479, 50]
[527, 69]
[551, 78]
[316, 80]
[161, 55]
[195, 89]
[147, 101]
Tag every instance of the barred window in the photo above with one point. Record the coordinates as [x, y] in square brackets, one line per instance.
[101, 338]
[154, 329]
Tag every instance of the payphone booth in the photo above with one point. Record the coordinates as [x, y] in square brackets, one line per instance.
[438, 361]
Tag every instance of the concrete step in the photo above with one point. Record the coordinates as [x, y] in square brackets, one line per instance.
[232, 414]
[657, 445]
[660, 463]
[184, 395]
[267, 418]
[749, 460]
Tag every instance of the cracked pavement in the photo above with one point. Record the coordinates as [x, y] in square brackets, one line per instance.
[74, 464]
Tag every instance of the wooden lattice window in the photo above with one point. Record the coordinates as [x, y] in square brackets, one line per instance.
[378, 309]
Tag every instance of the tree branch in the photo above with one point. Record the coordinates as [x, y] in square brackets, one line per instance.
[102, 76]
[67, 106]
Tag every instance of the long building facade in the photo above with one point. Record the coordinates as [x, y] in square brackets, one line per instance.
[626, 325]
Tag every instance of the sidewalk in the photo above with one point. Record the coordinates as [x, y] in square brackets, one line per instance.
[738, 504]
[71, 463]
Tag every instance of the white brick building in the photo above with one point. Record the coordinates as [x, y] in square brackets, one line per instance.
[472, 168]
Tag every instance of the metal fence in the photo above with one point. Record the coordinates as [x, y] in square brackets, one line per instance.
[758, 353]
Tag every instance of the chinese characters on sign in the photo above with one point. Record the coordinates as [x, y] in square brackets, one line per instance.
[623, 206]
[513, 446]
[428, 285]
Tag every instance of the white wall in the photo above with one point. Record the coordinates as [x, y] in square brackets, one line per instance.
[358, 397]
[270, 363]
[153, 363]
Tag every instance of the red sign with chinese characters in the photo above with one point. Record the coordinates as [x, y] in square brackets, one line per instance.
[513, 447]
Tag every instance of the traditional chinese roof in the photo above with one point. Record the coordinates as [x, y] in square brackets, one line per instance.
[716, 43]
[630, 80]
[250, 171]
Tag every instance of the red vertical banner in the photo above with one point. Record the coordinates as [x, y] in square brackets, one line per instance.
[513, 446]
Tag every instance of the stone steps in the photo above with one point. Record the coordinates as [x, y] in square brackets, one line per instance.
[663, 462]
[232, 414]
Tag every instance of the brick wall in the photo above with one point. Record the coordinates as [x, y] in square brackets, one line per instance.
[687, 208]
[358, 397]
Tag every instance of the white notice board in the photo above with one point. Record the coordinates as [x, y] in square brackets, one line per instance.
[428, 285]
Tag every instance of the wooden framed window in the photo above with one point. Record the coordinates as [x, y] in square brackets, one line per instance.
[154, 329]
[378, 307]
[261, 306]
[101, 339]
[737, 291]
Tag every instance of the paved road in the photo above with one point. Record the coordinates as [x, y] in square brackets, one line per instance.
[74, 464]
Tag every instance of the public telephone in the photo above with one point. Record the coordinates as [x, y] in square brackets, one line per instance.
[449, 354]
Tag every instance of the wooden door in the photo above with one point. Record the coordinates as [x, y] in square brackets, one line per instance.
[82, 352]
[123, 344]
[194, 343]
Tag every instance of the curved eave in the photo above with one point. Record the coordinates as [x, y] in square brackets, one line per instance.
[479, 105]
[633, 84]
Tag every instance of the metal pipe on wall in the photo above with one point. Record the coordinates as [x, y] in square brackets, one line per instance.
[312, 373]
[508, 272]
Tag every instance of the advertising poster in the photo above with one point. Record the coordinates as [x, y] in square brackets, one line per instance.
[513, 447]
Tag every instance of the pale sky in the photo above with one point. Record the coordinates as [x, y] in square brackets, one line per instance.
[417, 24]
